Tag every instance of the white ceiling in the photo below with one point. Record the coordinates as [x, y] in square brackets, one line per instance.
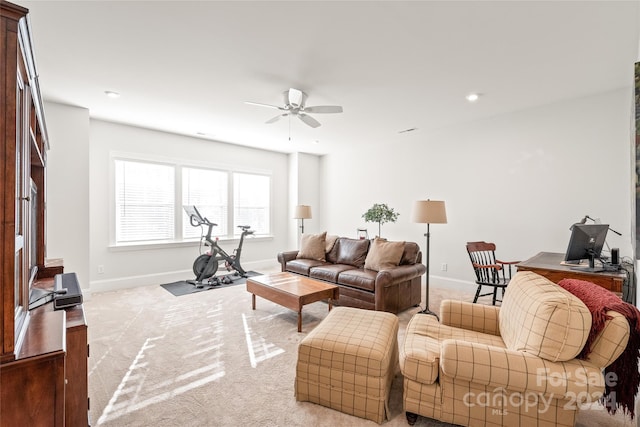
[188, 67]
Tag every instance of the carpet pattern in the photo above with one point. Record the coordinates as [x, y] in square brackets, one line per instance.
[183, 287]
[208, 359]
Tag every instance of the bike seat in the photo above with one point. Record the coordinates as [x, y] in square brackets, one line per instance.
[244, 227]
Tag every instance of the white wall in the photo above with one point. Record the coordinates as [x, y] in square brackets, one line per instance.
[519, 180]
[304, 188]
[67, 210]
[125, 268]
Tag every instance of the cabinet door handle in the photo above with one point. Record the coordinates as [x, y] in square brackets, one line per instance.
[26, 199]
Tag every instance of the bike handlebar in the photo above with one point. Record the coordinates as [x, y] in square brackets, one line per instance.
[196, 222]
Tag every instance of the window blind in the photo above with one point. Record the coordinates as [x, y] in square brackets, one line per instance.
[207, 190]
[251, 198]
[145, 201]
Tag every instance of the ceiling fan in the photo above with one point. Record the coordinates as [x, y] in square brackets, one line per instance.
[294, 105]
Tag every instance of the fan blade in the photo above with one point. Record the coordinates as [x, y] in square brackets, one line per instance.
[309, 120]
[275, 119]
[323, 109]
[264, 105]
[295, 97]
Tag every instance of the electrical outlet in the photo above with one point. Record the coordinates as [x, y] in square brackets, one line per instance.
[101, 269]
[443, 267]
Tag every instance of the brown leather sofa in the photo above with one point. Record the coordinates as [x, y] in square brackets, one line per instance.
[393, 289]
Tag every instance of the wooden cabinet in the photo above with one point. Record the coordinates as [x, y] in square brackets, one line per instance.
[33, 390]
[43, 353]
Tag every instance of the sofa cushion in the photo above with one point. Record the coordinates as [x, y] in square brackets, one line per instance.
[410, 254]
[357, 278]
[352, 251]
[383, 255]
[312, 246]
[539, 317]
[302, 266]
[328, 272]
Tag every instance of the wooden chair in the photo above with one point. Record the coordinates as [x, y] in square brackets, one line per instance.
[489, 270]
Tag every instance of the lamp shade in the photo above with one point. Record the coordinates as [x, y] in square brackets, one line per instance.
[429, 212]
[302, 212]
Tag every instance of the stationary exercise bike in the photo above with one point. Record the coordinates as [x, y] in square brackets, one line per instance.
[206, 265]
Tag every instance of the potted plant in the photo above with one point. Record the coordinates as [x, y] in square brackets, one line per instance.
[380, 213]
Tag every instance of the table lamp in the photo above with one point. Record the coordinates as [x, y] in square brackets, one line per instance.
[302, 212]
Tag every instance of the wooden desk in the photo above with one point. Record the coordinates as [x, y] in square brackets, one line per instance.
[547, 264]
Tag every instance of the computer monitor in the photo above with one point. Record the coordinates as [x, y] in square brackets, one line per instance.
[586, 242]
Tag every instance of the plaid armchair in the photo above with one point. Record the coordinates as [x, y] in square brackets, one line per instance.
[509, 365]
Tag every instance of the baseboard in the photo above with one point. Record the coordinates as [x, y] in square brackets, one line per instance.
[166, 277]
[263, 266]
[444, 283]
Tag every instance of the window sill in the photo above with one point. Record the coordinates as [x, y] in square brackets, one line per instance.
[170, 244]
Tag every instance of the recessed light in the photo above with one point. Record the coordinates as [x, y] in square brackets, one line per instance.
[473, 97]
[112, 94]
[316, 142]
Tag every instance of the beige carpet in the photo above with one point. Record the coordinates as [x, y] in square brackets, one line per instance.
[207, 359]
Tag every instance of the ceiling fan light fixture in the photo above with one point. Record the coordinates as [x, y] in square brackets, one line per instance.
[295, 105]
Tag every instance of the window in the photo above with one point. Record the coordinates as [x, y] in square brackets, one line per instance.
[149, 197]
[145, 201]
[207, 190]
[251, 205]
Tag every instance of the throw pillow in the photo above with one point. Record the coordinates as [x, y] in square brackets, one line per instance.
[312, 246]
[383, 255]
[330, 241]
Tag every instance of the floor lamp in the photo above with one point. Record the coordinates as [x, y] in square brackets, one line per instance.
[429, 212]
[302, 212]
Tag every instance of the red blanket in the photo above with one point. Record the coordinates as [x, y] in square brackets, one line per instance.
[625, 368]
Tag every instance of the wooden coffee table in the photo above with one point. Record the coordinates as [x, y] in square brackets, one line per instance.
[291, 291]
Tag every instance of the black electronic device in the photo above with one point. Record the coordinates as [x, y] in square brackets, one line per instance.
[38, 297]
[615, 256]
[586, 242]
[67, 291]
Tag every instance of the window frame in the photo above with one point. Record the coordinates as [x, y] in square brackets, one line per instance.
[178, 164]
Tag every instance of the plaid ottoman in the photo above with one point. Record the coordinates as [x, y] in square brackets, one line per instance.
[348, 362]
